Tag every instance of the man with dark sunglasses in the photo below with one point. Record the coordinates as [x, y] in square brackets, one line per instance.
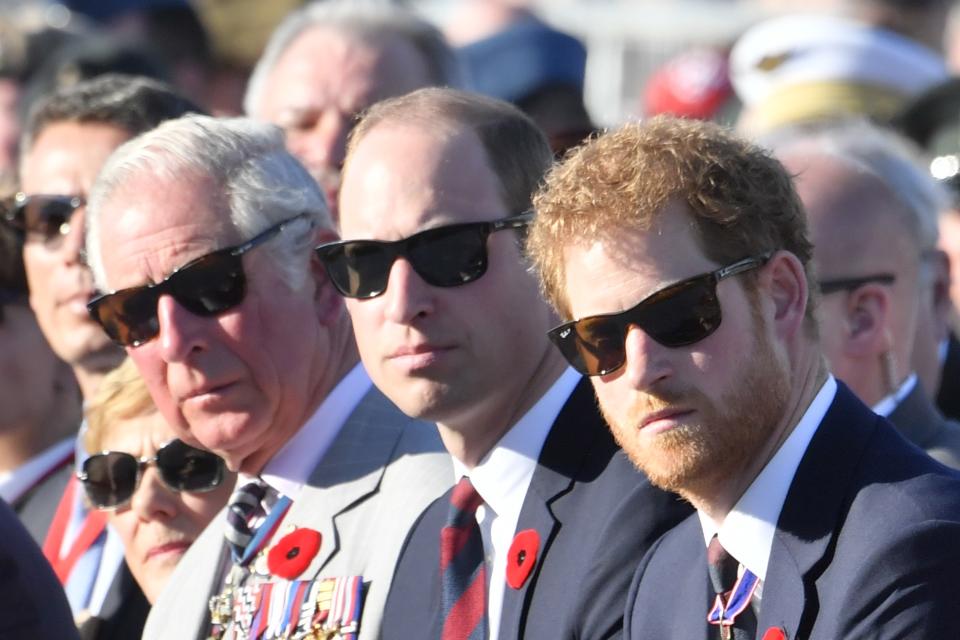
[815, 518]
[66, 140]
[540, 535]
[201, 236]
[873, 220]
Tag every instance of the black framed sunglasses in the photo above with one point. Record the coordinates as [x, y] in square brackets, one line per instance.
[447, 256]
[852, 284]
[676, 316]
[206, 287]
[110, 478]
[46, 217]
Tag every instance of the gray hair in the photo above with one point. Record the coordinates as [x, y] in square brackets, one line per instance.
[368, 21]
[886, 156]
[259, 183]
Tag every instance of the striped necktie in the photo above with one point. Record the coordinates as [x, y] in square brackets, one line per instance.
[244, 506]
[463, 574]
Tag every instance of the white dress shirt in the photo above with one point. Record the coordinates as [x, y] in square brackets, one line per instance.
[886, 406]
[290, 468]
[16, 482]
[747, 531]
[502, 478]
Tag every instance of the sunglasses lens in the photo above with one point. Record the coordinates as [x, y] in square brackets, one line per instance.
[45, 216]
[211, 285]
[184, 468]
[599, 344]
[110, 478]
[683, 314]
[359, 269]
[128, 316]
[450, 256]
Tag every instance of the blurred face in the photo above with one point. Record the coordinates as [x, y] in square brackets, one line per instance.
[687, 416]
[158, 525]
[65, 160]
[441, 353]
[950, 244]
[28, 367]
[239, 383]
[320, 84]
[9, 124]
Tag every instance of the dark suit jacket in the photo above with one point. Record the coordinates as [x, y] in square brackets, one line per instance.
[32, 604]
[918, 421]
[595, 516]
[948, 397]
[866, 546]
[124, 611]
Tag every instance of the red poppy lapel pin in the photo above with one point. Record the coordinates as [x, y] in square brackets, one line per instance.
[522, 557]
[291, 555]
[774, 633]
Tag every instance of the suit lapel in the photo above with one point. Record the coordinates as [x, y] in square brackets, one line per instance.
[812, 514]
[570, 439]
[916, 418]
[350, 471]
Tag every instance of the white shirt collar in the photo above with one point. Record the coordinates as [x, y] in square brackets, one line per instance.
[15, 483]
[886, 406]
[502, 478]
[503, 475]
[290, 468]
[747, 531]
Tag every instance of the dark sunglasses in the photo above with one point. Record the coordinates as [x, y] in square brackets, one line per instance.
[110, 478]
[447, 256]
[676, 316]
[206, 287]
[46, 217]
[852, 284]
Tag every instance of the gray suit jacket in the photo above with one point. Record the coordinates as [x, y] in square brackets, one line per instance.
[380, 473]
[919, 421]
[36, 508]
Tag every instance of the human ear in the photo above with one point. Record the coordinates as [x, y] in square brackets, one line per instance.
[785, 281]
[866, 315]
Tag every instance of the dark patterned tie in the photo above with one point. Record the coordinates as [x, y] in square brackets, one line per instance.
[463, 575]
[729, 602]
[245, 505]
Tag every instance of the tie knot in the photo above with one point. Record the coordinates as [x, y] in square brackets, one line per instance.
[247, 498]
[723, 567]
[464, 501]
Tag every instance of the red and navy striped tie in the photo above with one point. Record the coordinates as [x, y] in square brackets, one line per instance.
[463, 575]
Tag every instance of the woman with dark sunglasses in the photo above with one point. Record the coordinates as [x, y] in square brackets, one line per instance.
[159, 492]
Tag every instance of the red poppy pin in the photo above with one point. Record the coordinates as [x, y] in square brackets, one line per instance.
[293, 552]
[773, 633]
[522, 557]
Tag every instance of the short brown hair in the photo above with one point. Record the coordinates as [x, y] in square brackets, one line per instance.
[122, 395]
[518, 151]
[742, 199]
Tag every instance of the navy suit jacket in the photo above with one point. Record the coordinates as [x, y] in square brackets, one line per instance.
[32, 603]
[595, 515]
[948, 396]
[867, 546]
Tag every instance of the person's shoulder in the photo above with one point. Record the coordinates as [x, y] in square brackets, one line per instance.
[944, 447]
[32, 603]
